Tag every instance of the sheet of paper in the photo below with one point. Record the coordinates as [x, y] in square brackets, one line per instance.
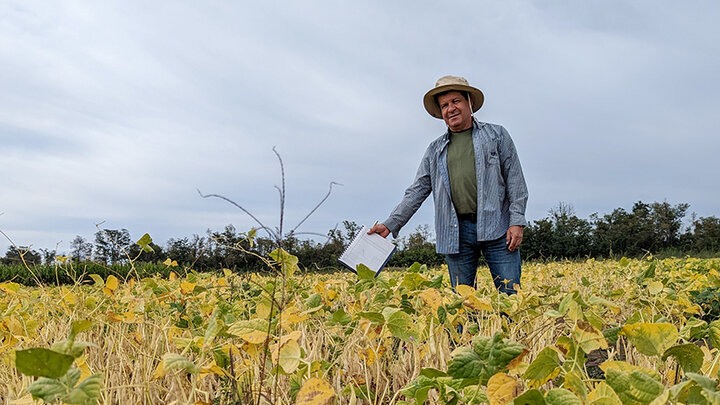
[371, 250]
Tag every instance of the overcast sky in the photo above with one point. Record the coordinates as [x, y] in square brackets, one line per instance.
[115, 112]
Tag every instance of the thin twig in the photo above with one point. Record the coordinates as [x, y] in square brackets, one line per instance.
[262, 226]
[282, 191]
[317, 206]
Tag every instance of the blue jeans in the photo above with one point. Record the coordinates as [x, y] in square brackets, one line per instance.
[504, 264]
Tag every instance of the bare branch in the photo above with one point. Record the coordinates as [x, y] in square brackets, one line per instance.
[317, 206]
[282, 191]
[272, 234]
[309, 233]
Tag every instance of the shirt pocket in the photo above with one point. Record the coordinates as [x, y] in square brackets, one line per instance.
[492, 158]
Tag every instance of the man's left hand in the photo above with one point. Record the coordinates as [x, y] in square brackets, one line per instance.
[514, 237]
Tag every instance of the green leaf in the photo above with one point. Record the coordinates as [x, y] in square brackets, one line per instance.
[80, 326]
[413, 281]
[574, 383]
[474, 395]
[487, 357]
[624, 262]
[603, 394]
[702, 381]
[375, 317]
[47, 389]
[213, 328]
[174, 361]
[651, 339]
[546, 362]
[635, 388]
[99, 282]
[694, 328]
[432, 372]
[86, 392]
[502, 352]
[400, 325]
[561, 396]
[145, 242]
[714, 332]
[466, 364]
[288, 263]
[70, 347]
[314, 300]
[40, 362]
[688, 356]
[364, 273]
[713, 397]
[532, 397]
[340, 317]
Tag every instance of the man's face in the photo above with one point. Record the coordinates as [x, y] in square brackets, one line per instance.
[455, 111]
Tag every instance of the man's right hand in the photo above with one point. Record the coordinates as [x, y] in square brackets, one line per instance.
[380, 229]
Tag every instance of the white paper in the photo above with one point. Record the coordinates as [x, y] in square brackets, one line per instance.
[371, 250]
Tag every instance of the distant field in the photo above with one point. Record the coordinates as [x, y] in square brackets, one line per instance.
[596, 332]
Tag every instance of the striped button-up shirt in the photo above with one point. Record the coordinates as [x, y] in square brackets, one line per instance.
[502, 192]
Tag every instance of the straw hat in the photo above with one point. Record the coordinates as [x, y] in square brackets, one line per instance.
[449, 83]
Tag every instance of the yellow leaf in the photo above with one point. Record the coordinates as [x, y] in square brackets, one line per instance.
[10, 287]
[170, 263]
[288, 357]
[501, 389]
[655, 287]
[159, 371]
[432, 298]
[187, 288]
[477, 304]
[290, 316]
[603, 394]
[172, 276]
[107, 291]
[651, 339]
[136, 336]
[294, 335]
[222, 282]
[315, 392]
[330, 295]
[628, 368]
[252, 331]
[214, 369]
[15, 327]
[111, 282]
[588, 337]
[112, 316]
[369, 356]
[464, 290]
[61, 259]
[85, 370]
[26, 400]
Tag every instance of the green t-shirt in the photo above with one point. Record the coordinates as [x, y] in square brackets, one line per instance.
[461, 167]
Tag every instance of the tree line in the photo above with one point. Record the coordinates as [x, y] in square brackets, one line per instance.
[654, 228]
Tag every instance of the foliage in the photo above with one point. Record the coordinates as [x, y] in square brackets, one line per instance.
[227, 337]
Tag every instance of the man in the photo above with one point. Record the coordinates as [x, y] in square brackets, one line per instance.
[478, 188]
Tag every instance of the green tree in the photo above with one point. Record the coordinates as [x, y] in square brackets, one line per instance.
[110, 245]
[706, 234]
[80, 249]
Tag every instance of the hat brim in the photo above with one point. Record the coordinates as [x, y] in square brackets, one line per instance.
[431, 106]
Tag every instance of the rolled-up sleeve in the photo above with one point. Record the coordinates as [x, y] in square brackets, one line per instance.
[413, 198]
[516, 188]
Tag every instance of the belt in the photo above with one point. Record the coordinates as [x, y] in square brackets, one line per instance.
[472, 217]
